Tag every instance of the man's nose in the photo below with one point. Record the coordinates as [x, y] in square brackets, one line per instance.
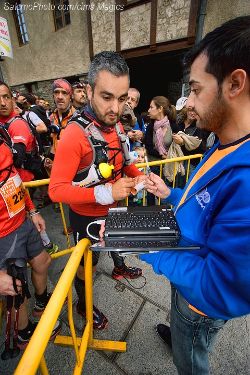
[2, 102]
[60, 95]
[115, 106]
[190, 101]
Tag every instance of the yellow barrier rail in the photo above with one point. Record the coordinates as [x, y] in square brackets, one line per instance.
[33, 356]
[38, 183]
[161, 163]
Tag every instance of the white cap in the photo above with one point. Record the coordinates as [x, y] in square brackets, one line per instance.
[181, 102]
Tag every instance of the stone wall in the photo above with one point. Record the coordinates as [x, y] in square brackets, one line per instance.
[49, 54]
[135, 26]
[42, 89]
[172, 19]
[103, 25]
[172, 23]
[219, 12]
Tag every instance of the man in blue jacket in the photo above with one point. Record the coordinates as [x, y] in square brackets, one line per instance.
[211, 285]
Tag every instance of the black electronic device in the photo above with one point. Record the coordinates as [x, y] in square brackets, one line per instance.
[142, 229]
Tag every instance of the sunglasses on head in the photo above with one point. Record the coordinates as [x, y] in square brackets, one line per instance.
[78, 85]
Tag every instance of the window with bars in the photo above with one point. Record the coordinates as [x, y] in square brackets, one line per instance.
[20, 24]
[61, 13]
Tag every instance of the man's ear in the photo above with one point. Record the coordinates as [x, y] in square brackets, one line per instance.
[89, 92]
[237, 82]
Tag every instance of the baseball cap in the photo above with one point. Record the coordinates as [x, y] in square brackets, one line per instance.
[181, 102]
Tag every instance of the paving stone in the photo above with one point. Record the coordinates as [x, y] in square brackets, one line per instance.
[156, 287]
[146, 353]
[120, 305]
[132, 315]
[231, 352]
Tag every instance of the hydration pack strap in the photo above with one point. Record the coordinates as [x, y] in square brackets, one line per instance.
[124, 145]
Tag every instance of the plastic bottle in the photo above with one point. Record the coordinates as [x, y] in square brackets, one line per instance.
[45, 238]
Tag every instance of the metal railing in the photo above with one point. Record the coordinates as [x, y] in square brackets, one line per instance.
[38, 183]
[162, 163]
[33, 356]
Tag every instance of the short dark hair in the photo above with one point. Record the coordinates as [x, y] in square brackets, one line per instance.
[227, 48]
[110, 61]
[2, 83]
[30, 98]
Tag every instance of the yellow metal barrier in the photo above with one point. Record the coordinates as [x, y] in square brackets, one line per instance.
[46, 324]
[161, 163]
[38, 183]
[33, 356]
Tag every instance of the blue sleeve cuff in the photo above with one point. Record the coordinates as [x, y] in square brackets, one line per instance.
[174, 197]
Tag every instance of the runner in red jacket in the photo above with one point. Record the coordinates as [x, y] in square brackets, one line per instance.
[94, 136]
[19, 234]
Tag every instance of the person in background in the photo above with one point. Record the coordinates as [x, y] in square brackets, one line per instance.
[137, 200]
[158, 135]
[211, 285]
[20, 225]
[136, 134]
[188, 139]
[79, 95]
[62, 93]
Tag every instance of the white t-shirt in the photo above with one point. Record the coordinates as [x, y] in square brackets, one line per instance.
[33, 118]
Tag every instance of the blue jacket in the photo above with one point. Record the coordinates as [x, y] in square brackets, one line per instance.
[215, 214]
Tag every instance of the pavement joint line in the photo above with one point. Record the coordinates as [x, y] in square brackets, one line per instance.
[138, 293]
[110, 360]
[126, 333]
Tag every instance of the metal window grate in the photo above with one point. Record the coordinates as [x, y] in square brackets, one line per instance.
[61, 13]
[21, 28]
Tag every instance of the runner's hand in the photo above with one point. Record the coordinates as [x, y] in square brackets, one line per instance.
[39, 222]
[140, 178]
[102, 230]
[6, 285]
[122, 188]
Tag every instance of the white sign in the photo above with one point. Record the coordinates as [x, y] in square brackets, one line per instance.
[5, 43]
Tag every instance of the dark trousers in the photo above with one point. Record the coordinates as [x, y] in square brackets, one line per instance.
[79, 224]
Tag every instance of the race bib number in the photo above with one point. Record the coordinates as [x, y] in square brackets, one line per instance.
[13, 194]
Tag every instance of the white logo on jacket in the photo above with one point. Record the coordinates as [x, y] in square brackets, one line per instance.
[203, 198]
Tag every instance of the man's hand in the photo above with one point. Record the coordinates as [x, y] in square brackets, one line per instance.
[39, 222]
[140, 178]
[122, 188]
[102, 230]
[138, 135]
[178, 139]
[6, 285]
[154, 184]
[48, 163]
[132, 135]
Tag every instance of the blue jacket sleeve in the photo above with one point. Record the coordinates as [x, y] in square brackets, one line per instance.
[174, 196]
[215, 279]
